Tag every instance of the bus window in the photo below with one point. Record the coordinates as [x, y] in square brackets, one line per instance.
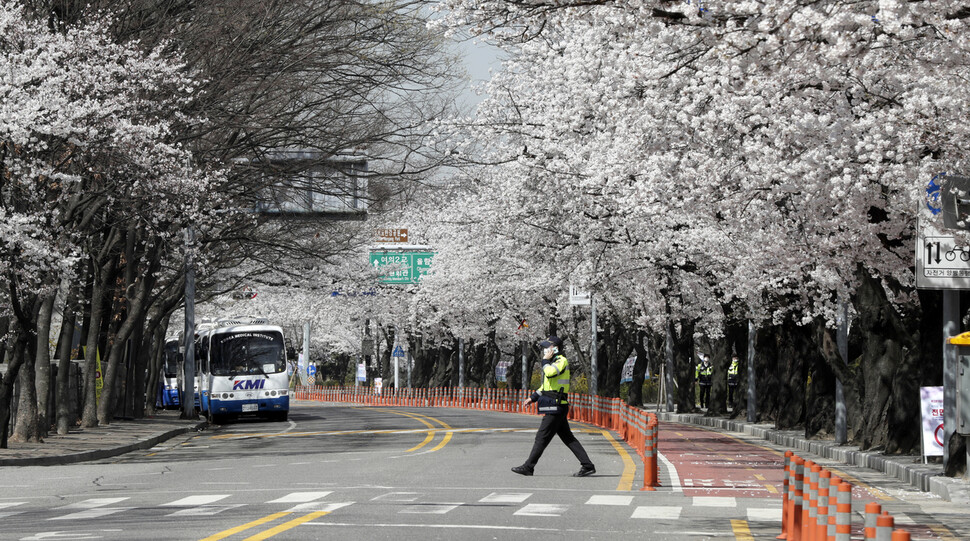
[248, 352]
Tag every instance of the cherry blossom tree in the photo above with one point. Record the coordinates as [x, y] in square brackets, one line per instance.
[704, 162]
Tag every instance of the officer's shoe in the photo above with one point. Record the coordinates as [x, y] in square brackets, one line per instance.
[522, 470]
[585, 471]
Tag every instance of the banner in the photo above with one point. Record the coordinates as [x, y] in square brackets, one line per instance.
[931, 415]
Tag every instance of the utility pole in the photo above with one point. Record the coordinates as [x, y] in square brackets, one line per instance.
[188, 359]
[593, 388]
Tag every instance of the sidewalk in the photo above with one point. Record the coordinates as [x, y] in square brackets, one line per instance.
[82, 444]
[908, 469]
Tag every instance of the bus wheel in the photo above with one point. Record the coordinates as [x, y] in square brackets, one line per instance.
[217, 419]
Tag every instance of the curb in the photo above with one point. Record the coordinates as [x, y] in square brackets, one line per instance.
[97, 454]
[925, 477]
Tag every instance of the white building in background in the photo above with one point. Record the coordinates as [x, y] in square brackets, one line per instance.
[330, 187]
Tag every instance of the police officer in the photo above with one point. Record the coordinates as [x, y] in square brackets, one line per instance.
[732, 378]
[552, 399]
[705, 378]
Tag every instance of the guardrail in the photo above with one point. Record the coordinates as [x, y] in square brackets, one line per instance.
[635, 426]
[817, 506]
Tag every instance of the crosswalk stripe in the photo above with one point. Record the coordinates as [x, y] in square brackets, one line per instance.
[202, 499]
[495, 497]
[92, 503]
[542, 510]
[764, 515]
[714, 501]
[430, 509]
[600, 499]
[204, 510]
[301, 497]
[657, 512]
[96, 512]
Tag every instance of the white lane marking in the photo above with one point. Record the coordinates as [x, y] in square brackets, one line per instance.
[97, 512]
[4, 505]
[542, 510]
[192, 501]
[900, 518]
[672, 471]
[204, 510]
[657, 512]
[397, 497]
[599, 499]
[715, 501]
[301, 497]
[764, 515]
[505, 498]
[92, 503]
[429, 509]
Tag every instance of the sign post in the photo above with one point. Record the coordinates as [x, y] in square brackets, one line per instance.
[943, 262]
[578, 297]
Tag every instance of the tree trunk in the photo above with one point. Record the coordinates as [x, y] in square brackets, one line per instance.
[65, 341]
[684, 396]
[635, 396]
[135, 313]
[26, 429]
[101, 279]
[43, 364]
[890, 371]
[14, 354]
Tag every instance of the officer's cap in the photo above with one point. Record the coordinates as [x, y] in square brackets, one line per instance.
[551, 341]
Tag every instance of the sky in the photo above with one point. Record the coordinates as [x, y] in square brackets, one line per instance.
[479, 57]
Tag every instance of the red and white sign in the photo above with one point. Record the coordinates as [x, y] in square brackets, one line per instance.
[931, 419]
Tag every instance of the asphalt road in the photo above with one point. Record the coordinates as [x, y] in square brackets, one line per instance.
[342, 472]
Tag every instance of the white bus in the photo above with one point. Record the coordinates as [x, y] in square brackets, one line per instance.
[242, 363]
[167, 395]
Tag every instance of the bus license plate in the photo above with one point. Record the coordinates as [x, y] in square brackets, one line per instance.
[250, 407]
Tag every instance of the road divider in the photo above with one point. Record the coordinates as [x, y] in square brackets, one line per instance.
[817, 506]
[640, 429]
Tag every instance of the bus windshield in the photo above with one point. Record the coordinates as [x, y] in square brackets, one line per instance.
[248, 352]
[171, 358]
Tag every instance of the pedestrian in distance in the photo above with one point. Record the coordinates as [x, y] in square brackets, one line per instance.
[552, 398]
[705, 378]
[732, 379]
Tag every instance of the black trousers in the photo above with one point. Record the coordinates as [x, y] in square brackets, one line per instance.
[705, 395]
[556, 424]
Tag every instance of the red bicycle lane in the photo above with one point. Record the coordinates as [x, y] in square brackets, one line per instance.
[707, 463]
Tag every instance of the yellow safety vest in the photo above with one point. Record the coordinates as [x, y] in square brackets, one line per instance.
[555, 377]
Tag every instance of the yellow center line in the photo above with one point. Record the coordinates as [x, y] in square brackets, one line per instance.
[431, 432]
[945, 533]
[629, 467]
[286, 526]
[248, 525]
[741, 530]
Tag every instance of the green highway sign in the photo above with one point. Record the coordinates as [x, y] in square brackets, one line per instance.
[410, 266]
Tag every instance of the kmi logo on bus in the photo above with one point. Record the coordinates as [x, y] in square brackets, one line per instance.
[244, 384]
